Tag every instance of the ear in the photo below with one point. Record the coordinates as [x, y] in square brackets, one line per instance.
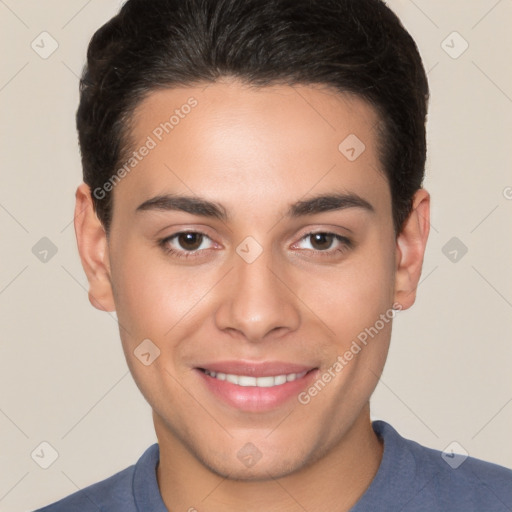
[410, 249]
[93, 249]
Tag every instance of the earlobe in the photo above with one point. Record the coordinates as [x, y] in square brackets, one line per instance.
[410, 249]
[93, 249]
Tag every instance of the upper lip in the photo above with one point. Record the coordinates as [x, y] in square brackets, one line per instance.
[256, 369]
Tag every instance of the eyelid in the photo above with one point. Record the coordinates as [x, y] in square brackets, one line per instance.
[343, 240]
[345, 243]
[165, 242]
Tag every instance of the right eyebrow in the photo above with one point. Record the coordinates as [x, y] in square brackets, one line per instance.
[192, 205]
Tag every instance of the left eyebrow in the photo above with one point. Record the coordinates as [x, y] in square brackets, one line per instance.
[202, 207]
[329, 202]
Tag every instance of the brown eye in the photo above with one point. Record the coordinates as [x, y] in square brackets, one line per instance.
[186, 244]
[325, 244]
[190, 241]
[321, 241]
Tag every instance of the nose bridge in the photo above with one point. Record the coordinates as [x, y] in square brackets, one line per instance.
[255, 301]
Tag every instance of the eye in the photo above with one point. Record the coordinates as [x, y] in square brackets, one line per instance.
[325, 243]
[185, 244]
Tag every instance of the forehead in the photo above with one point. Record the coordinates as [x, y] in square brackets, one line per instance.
[229, 139]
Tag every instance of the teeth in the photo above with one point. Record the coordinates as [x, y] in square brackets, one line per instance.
[243, 380]
[280, 379]
[260, 382]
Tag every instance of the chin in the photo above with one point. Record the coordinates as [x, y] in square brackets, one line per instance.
[251, 464]
[260, 471]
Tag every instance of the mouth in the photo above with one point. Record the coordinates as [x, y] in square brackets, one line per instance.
[255, 387]
[260, 382]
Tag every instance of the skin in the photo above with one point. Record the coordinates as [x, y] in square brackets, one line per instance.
[256, 151]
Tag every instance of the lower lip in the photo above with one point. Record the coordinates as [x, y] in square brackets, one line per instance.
[253, 398]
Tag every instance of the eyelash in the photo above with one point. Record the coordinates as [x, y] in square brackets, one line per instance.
[346, 244]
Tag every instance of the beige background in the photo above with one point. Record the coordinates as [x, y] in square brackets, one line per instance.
[63, 377]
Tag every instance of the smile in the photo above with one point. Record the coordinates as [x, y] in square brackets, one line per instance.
[260, 382]
[254, 387]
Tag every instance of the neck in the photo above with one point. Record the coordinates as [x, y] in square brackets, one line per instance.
[335, 481]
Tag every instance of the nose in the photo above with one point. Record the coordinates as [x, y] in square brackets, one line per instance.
[257, 302]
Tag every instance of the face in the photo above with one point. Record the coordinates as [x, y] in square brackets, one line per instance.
[265, 306]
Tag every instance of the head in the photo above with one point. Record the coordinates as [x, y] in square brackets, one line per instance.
[249, 126]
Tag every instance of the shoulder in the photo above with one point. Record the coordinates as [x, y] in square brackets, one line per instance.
[453, 480]
[114, 494]
[473, 483]
[116, 489]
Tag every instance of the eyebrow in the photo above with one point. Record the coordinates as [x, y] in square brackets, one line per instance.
[204, 208]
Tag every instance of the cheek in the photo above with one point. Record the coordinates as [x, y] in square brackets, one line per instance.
[153, 296]
[356, 303]
[353, 296]
[154, 300]
[143, 293]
